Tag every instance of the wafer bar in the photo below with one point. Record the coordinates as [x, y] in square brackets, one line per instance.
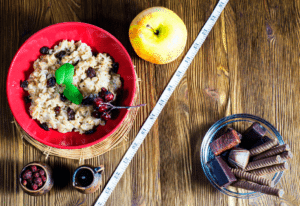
[221, 172]
[258, 188]
[225, 142]
[261, 141]
[274, 151]
[270, 170]
[286, 155]
[253, 135]
[264, 162]
[263, 147]
[252, 177]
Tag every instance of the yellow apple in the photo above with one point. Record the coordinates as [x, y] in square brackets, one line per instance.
[158, 35]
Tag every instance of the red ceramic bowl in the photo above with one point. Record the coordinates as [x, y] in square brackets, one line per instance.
[22, 65]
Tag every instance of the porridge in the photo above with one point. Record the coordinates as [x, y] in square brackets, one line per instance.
[95, 77]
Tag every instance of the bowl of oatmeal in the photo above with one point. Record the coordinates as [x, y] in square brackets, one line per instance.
[103, 73]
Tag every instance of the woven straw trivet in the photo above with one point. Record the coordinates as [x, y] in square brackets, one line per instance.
[95, 150]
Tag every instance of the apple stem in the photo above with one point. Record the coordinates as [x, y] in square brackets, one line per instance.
[149, 27]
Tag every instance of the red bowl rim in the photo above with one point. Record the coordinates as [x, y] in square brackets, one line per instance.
[73, 24]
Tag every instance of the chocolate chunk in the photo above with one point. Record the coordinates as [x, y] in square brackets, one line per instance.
[253, 136]
[238, 158]
[62, 97]
[91, 131]
[51, 82]
[60, 54]
[44, 50]
[225, 142]
[87, 101]
[27, 99]
[44, 126]
[57, 110]
[90, 72]
[221, 172]
[115, 67]
[24, 84]
[71, 114]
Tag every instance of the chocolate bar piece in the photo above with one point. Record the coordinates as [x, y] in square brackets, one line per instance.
[221, 172]
[253, 136]
[229, 129]
[225, 142]
[238, 158]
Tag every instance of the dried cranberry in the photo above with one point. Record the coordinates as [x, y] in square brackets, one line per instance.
[34, 186]
[115, 67]
[62, 97]
[60, 54]
[37, 180]
[98, 101]
[106, 116]
[24, 182]
[44, 179]
[36, 174]
[33, 168]
[42, 172]
[90, 72]
[102, 93]
[27, 175]
[40, 184]
[108, 96]
[24, 84]
[44, 50]
[87, 101]
[44, 126]
[27, 99]
[51, 82]
[91, 131]
[103, 108]
[71, 114]
[57, 110]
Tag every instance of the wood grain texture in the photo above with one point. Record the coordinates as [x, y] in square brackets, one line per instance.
[248, 64]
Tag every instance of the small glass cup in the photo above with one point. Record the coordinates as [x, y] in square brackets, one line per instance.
[239, 122]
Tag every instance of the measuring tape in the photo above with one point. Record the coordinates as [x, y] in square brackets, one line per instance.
[161, 103]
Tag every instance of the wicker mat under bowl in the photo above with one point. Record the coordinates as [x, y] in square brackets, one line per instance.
[94, 150]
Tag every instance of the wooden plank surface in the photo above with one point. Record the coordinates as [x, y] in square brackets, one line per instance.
[248, 64]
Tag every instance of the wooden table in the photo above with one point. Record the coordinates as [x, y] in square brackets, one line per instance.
[248, 64]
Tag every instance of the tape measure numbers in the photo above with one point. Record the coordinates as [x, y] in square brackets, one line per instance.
[161, 103]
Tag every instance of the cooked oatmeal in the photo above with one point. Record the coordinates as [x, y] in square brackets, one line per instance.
[46, 95]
